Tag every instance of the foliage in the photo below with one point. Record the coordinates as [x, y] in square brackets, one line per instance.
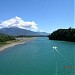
[4, 38]
[63, 34]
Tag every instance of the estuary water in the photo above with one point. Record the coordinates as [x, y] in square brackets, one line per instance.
[38, 57]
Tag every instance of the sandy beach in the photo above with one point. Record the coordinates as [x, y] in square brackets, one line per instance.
[16, 42]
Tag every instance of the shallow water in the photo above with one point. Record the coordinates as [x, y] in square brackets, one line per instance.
[38, 58]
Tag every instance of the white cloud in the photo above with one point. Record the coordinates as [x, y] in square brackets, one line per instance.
[18, 22]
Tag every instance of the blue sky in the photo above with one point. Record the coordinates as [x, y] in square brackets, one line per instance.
[48, 14]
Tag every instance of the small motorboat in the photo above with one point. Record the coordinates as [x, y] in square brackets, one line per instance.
[54, 47]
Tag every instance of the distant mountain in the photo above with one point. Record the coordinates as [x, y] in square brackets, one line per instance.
[15, 31]
[17, 26]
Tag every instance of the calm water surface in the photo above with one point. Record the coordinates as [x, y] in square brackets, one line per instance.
[39, 58]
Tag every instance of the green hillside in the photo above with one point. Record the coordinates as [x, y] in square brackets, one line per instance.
[63, 35]
[4, 38]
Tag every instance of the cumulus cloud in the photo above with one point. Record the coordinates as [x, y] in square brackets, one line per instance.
[18, 22]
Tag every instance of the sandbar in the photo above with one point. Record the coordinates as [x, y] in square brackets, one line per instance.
[16, 42]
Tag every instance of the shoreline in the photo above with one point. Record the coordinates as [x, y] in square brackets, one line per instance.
[16, 42]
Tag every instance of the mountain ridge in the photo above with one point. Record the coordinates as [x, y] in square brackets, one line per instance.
[15, 31]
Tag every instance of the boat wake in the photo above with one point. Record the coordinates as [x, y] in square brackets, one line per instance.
[55, 49]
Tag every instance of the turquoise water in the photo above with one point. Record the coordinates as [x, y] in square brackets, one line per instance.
[38, 58]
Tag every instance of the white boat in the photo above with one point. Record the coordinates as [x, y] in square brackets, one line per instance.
[54, 47]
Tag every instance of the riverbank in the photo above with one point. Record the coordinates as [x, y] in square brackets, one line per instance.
[16, 42]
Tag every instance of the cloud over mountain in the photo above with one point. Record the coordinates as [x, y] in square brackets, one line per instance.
[18, 22]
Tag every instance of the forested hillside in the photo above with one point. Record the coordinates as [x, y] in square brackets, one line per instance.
[63, 35]
[4, 38]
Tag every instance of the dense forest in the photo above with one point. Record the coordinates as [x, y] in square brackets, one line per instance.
[63, 35]
[4, 38]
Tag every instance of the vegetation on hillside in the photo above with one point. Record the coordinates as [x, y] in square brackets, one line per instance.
[63, 35]
[4, 38]
[31, 36]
